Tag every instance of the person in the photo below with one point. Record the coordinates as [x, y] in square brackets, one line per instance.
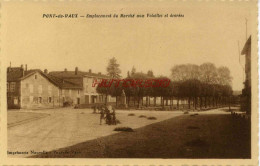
[108, 115]
[113, 116]
[102, 115]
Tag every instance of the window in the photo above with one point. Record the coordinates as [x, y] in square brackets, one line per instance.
[15, 100]
[40, 99]
[12, 86]
[40, 89]
[35, 77]
[31, 88]
[8, 89]
[50, 100]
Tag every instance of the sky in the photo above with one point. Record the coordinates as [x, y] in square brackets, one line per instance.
[208, 32]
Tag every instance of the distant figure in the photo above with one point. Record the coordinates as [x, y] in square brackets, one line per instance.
[113, 116]
[108, 115]
[102, 115]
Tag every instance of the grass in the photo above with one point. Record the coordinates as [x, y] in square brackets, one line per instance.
[230, 139]
[127, 129]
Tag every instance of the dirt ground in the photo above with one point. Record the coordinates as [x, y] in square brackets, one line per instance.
[68, 127]
[206, 135]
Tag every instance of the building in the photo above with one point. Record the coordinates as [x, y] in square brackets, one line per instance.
[31, 89]
[246, 92]
[36, 89]
[84, 80]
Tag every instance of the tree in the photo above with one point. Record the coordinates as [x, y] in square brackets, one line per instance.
[113, 68]
[133, 71]
[150, 73]
[224, 77]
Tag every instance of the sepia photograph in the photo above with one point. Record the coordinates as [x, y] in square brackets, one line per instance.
[129, 80]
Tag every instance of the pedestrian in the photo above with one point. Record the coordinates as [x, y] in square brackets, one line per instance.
[102, 115]
[108, 116]
[113, 116]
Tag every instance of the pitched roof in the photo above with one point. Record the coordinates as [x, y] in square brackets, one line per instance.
[67, 74]
[16, 74]
[246, 46]
[75, 83]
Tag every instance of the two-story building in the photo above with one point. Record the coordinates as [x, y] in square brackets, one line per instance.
[37, 89]
[87, 94]
[31, 89]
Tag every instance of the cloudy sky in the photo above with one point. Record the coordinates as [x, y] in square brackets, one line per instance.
[209, 32]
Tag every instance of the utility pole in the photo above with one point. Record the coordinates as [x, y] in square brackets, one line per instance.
[242, 66]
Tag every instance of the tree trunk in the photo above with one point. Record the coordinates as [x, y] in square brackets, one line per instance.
[205, 101]
[189, 102]
[106, 99]
[146, 101]
[154, 101]
[178, 103]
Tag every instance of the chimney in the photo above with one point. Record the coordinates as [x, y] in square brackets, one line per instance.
[65, 69]
[22, 70]
[90, 71]
[45, 71]
[26, 67]
[76, 70]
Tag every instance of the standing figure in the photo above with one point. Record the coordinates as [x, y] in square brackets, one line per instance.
[113, 116]
[108, 116]
[102, 115]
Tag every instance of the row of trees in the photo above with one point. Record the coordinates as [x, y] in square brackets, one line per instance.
[200, 85]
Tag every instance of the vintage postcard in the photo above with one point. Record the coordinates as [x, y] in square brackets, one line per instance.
[129, 82]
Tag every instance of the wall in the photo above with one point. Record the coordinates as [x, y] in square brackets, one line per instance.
[13, 97]
[39, 93]
[71, 96]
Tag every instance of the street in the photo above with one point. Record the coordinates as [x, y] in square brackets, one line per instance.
[65, 127]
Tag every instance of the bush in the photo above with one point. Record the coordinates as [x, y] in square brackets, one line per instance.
[186, 112]
[67, 104]
[127, 129]
[152, 118]
[194, 114]
[131, 114]
[142, 116]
